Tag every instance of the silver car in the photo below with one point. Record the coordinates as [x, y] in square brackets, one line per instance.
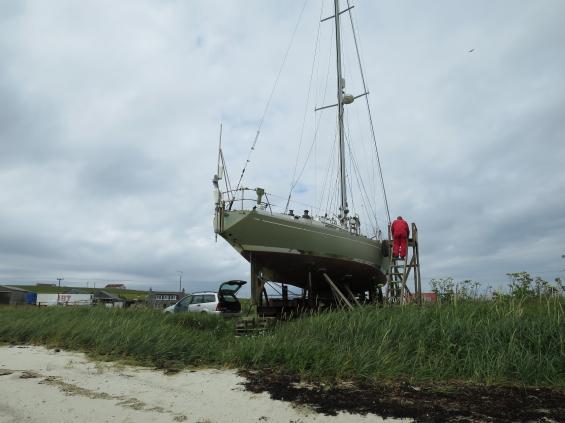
[222, 302]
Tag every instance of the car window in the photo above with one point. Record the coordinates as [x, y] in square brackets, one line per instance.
[228, 298]
[209, 298]
[197, 299]
[231, 287]
[185, 301]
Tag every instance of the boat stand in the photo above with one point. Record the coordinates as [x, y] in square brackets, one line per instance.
[341, 298]
[313, 297]
[269, 307]
[402, 270]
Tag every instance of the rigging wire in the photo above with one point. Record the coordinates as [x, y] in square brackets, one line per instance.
[371, 176]
[365, 199]
[293, 180]
[352, 170]
[332, 155]
[316, 125]
[349, 182]
[334, 188]
[265, 111]
[369, 110]
[305, 163]
[327, 183]
[371, 209]
[308, 205]
[226, 176]
[222, 163]
[367, 205]
[327, 187]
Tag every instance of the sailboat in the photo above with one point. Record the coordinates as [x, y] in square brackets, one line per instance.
[328, 258]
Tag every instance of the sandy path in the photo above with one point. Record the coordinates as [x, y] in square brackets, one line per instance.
[41, 385]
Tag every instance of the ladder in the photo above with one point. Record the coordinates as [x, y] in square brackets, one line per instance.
[401, 271]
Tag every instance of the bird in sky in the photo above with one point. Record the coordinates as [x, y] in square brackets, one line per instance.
[472, 50]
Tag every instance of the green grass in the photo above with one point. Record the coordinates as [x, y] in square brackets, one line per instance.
[507, 341]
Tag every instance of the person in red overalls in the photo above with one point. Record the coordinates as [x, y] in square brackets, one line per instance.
[400, 232]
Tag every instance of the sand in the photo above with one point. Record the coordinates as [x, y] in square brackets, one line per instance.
[41, 385]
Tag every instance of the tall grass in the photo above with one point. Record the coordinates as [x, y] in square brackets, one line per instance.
[508, 341]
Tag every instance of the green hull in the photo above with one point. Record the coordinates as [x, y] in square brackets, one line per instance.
[289, 249]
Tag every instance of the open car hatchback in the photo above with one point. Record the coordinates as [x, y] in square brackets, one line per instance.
[223, 302]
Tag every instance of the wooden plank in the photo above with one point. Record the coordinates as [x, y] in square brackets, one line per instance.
[351, 294]
[337, 291]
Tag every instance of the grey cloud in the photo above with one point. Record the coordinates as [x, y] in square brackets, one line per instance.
[109, 119]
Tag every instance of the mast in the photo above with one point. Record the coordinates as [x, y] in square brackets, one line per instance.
[340, 86]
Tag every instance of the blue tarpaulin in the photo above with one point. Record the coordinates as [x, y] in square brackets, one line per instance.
[31, 298]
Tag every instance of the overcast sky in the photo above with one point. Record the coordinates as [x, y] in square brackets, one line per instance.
[110, 114]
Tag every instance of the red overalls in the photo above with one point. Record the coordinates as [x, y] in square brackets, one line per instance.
[400, 232]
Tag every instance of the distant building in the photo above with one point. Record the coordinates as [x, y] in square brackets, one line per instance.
[162, 299]
[427, 297]
[116, 286]
[11, 295]
[109, 300]
[45, 284]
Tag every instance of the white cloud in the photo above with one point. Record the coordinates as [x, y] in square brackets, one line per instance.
[109, 119]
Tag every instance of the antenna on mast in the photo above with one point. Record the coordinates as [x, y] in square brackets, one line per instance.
[219, 153]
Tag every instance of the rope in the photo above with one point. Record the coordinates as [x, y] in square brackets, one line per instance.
[265, 111]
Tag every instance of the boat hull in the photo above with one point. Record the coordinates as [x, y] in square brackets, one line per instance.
[293, 250]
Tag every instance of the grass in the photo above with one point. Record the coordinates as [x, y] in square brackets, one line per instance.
[510, 341]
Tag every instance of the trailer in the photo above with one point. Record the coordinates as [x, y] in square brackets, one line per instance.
[48, 300]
